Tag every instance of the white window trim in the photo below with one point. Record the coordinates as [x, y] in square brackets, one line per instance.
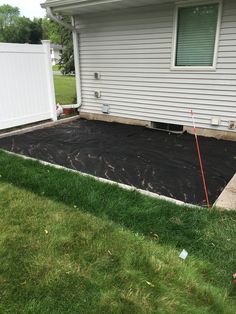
[182, 4]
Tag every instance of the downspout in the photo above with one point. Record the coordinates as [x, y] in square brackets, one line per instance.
[75, 36]
[76, 51]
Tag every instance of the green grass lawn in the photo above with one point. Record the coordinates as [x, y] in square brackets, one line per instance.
[65, 89]
[70, 244]
[56, 67]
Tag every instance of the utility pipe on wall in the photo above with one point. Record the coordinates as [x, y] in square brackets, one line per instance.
[75, 36]
[76, 51]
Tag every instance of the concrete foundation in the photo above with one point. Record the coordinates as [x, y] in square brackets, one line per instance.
[109, 118]
[220, 135]
[223, 135]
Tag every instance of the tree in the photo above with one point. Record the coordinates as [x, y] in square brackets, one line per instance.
[23, 30]
[51, 31]
[36, 31]
[58, 34]
[8, 14]
[18, 29]
[66, 62]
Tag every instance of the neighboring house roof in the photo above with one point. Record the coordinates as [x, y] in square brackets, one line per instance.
[72, 7]
[56, 46]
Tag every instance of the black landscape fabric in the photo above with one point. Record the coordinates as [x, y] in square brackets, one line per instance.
[147, 159]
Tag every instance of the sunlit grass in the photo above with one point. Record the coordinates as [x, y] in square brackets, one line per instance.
[65, 89]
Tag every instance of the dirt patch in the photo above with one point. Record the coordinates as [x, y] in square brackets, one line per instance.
[151, 160]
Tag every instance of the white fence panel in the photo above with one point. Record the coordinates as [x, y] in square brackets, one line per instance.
[26, 84]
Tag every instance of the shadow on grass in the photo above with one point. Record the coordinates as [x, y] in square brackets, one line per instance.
[207, 234]
[39, 283]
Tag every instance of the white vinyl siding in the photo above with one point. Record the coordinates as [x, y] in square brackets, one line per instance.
[132, 51]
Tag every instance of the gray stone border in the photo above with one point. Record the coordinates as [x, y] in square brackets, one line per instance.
[227, 199]
[39, 126]
[121, 185]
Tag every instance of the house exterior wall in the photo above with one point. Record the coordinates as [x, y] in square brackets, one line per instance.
[131, 49]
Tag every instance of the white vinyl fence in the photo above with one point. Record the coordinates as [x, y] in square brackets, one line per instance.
[26, 84]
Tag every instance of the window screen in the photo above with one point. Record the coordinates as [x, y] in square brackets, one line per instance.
[196, 35]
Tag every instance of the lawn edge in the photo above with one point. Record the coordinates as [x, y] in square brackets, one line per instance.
[106, 181]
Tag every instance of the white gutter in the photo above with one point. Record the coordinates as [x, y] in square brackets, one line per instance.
[57, 20]
[76, 52]
[62, 5]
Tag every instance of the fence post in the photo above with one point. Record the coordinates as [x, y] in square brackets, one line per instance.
[50, 82]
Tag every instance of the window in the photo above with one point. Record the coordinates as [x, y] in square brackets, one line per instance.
[196, 35]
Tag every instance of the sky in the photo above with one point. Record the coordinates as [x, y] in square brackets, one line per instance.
[28, 8]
